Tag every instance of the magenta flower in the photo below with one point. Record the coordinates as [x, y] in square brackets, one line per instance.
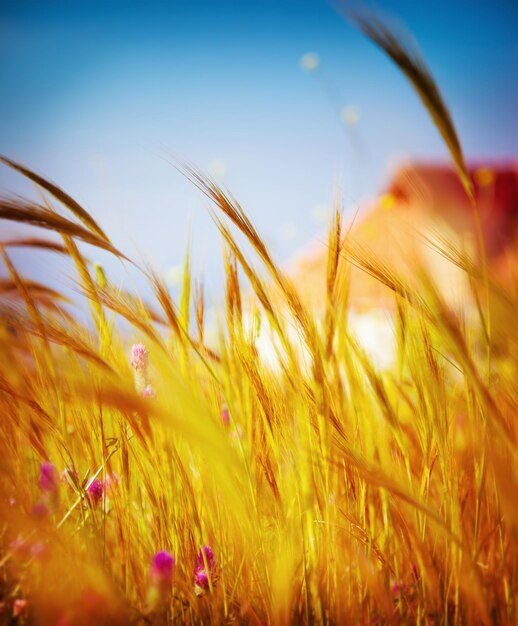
[160, 579]
[208, 561]
[49, 478]
[201, 579]
[95, 491]
[204, 571]
[139, 357]
[162, 568]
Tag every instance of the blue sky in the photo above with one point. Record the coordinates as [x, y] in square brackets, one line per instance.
[96, 96]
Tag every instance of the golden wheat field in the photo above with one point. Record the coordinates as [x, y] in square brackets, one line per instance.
[149, 476]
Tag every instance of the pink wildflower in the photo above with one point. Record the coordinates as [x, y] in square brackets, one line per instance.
[205, 558]
[95, 491]
[204, 571]
[140, 363]
[139, 357]
[201, 579]
[49, 478]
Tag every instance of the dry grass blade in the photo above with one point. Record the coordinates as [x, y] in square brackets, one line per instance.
[199, 308]
[414, 68]
[52, 332]
[128, 306]
[232, 291]
[231, 208]
[166, 302]
[60, 195]
[450, 251]
[27, 297]
[364, 259]
[257, 284]
[34, 406]
[34, 214]
[35, 242]
[185, 298]
[35, 288]
[377, 476]
[335, 244]
[83, 272]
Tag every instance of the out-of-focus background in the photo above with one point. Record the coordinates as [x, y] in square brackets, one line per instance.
[281, 101]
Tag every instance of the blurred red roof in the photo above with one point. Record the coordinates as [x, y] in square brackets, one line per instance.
[436, 188]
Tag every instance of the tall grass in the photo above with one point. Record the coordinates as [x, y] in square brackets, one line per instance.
[328, 491]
